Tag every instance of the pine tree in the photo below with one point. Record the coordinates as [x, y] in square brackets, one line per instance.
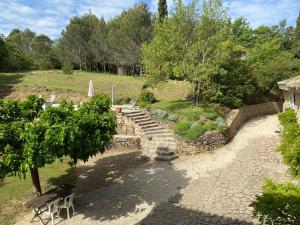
[162, 9]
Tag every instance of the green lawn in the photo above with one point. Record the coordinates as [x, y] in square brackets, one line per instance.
[75, 86]
[15, 191]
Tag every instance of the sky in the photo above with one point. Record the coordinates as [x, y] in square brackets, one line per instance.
[50, 17]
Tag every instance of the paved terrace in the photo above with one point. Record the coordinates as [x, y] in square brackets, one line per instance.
[211, 188]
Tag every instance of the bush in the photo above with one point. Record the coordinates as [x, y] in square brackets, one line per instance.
[173, 117]
[209, 125]
[162, 114]
[182, 127]
[146, 98]
[279, 204]
[67, 68]
[288, 117]
[211, 114]
[194, 132]
[122, 101]
[290, 145]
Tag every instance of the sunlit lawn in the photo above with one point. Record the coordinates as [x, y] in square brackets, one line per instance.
[15, 191]
[54, 80]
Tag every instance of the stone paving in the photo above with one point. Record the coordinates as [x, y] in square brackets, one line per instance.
[210, 189]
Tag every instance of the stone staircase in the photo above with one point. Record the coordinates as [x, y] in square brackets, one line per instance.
[158, 142]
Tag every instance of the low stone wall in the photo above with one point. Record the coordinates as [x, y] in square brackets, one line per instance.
[125, 126]
[126, 142]
[207, 142]
[237, 117]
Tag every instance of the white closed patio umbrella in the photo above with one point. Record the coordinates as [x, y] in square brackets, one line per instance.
[91, 89]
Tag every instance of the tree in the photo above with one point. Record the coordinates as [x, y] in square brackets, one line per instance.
[296, 44]
[74, 43]
[269, 64]
[127, 33]
[30, 138]
[163, 55]
[42, 52]
[162, 9]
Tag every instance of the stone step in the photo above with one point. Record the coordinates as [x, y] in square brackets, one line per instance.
[163, 153]
[142, 119]
[158, 128]
[149, 126]
[137, 114]
[146, 123]
[165, 157]
[158, 132]
[136, 118]
[162, 136]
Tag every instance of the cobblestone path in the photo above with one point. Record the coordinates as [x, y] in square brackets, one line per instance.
[211, 188]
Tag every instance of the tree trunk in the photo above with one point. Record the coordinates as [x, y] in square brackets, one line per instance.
[35, 180]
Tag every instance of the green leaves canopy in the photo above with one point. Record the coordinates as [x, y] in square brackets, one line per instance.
[31, 137]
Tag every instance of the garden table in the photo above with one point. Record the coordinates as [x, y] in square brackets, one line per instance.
[39, 203]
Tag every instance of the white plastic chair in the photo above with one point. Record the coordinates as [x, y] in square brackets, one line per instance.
[53, 208]
[68, 203]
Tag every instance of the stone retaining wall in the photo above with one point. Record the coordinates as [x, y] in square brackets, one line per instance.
[237, 117]
[125, 126]
[208, 141]
[126, 142]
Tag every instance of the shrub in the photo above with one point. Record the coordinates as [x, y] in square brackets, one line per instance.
[279, 204]
[67, 68]
[209, 125]
[173, 117]
[182, 127]
[146, 97]
[290, 145]
[210, 114]
[194, 132]
[162, 114]
[288, 117]
[121, 101]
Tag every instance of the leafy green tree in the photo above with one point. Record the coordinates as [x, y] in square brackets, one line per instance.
[42, 52]
[269, 64]
[279, 204]
[162, 9]
[163, 55]
[30, 138]
[21, 39]
[296, 44]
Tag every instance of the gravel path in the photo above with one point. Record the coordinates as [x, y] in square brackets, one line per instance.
[211, 188]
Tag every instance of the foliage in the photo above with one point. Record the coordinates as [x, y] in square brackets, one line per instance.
[127, 33]
[182, 127]
[173, 117]
[290, 145]
[121, 101]
[289, 117]
[191, 121]
[146, 98]
[30, 138]
[296, 44]
[278, 204]
[194, 132]
[67, 67]
[162, 9]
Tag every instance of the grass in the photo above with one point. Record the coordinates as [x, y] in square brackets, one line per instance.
[14, 191]
[193, 121]
[68, 86]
